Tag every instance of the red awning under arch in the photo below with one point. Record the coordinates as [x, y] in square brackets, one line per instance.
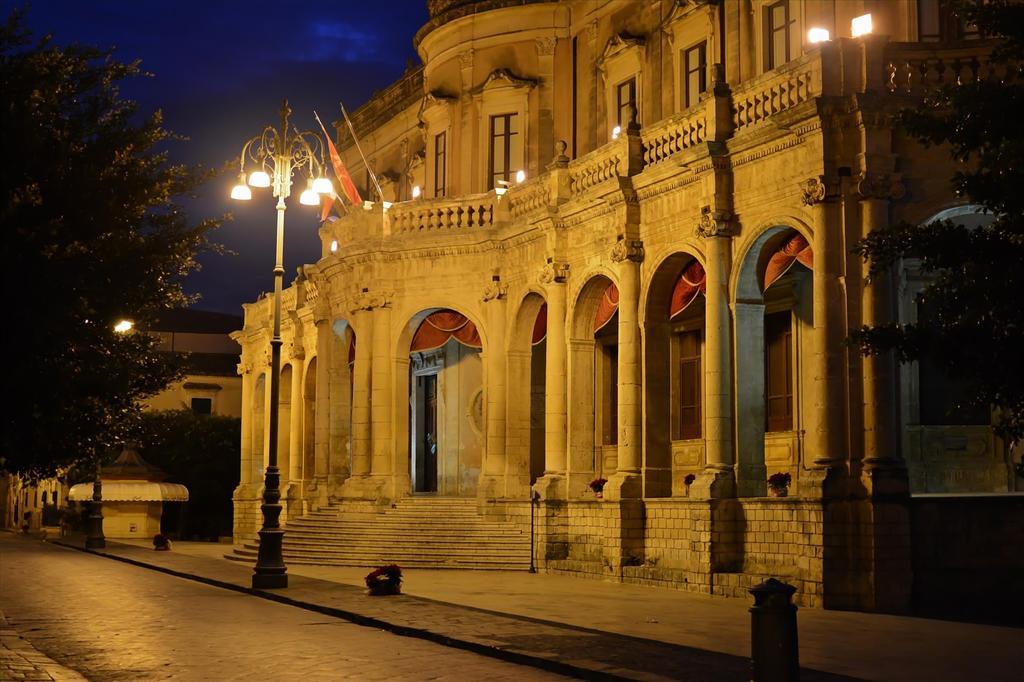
[540, 325]
[692, 282]
[607, 306]
[435, 330]
[794, 249]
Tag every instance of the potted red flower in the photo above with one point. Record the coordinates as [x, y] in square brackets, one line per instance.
[385, 580]
[688, 481]
[597, 485]
[778, 484]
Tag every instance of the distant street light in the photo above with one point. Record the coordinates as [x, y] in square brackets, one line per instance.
[279, 152]
[123, 326]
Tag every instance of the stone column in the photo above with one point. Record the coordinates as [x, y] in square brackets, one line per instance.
[718, 478]
[492, 482]
[295, 473]
[626, 481]
[361, 393]
[321, 420]
[245, 369]
[381, 429]
[826, 439]
[552, 483]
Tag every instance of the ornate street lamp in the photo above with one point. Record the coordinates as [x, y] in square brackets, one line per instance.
[276, 154]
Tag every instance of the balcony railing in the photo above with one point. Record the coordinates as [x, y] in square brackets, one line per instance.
[777, 91]
[916, 68]
[675, 134]
[473, 212]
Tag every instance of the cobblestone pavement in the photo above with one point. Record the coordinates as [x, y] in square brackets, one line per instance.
[19, 660]
[113, 621]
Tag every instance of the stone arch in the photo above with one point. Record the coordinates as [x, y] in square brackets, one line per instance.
[670, 452]
[526, 385]
[308, 437]
[757, 448]
[451, 375]
[592, 389]
[259, 429]
[284, 424]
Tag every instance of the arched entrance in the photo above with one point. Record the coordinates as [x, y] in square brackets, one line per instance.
[446, 404]
[527, 363]
[674, 375]
[774, 322]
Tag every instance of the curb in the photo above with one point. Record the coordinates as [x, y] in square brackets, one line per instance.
[517, 658]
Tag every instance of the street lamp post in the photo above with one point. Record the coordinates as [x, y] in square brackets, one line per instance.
[280, 152]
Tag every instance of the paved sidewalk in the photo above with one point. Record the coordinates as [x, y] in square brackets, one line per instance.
[625, 630]
[19, 660]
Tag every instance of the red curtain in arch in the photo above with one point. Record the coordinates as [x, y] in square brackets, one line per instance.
[540, 325]
[795, 249]
[692, 282]
[607, 306]
[435, 330]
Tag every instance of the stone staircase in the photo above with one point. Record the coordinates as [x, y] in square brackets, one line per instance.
[417, 532]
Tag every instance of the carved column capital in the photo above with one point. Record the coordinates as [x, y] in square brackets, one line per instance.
[466, 58]
[366, 300]
[818, 189]
[880, 186]
[627, 249]
[546, 46]
[554, 272]
[244, 367]
[714, 223]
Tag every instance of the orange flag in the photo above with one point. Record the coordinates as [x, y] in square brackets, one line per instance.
[340, 172]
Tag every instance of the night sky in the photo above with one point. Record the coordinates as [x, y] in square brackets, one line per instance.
[220, 71]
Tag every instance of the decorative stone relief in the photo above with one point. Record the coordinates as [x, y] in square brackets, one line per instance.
[546, 46]
[628, 249]
[554, 271]
[818, 189]
[494, 290]
[364, 300]
[714, 223]
[880, 186]
[466, 59]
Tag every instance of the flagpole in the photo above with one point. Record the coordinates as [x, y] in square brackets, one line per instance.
[360, 150]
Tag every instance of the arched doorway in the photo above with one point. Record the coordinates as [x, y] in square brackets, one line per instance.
[774, 323]
[674, 375]
[308, 464]
[284, 424]
[593, 365]
[446, 404]
[259, 445]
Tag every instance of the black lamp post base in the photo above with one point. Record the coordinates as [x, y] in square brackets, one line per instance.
[269, 581]
[270, 572]
[95, 543]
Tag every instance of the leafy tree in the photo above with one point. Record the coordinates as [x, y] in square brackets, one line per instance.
[91, 234]
[974, 329]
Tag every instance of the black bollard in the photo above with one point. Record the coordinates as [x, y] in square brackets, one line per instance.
[774, 653]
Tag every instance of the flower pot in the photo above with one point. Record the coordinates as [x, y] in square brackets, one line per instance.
[598, 494]
[778, 492]
[384, 588]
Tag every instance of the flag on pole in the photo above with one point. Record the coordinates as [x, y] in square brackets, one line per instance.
[344, 179]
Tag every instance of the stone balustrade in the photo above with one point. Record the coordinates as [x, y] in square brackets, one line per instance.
[471, 212]
[603, 164]
[915, 68]
[675, 134]
[530, 197]
[761, 98]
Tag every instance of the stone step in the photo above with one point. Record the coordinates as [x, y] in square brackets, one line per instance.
[378, 558]
[421, 536]
[403, 550]
[399, 521]
[404, 528]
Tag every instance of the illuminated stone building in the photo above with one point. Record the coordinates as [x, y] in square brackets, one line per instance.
[660, 298]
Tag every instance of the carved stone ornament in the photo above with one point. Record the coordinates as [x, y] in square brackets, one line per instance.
[628, 249]
[244, 368]
[880, 186]
[818, 189]
[495, 290]
[546, 46]
[365, 300]
[296, 350]
[715, 223]
[554, 271]
[466, 58]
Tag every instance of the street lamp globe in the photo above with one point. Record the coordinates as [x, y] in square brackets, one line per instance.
[259, 179]
[240, 192]
[309, 197]
[323, 186]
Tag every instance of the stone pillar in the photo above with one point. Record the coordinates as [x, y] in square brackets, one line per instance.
[321, 419]
[626, 481]
[826, 435]
[381, 429]
[245, 477]
[492, 483]
[339, 414]
[552, 483]
[361, 394]
[718, 477]
[295, 473]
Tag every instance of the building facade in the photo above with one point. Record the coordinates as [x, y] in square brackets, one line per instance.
[628, 258]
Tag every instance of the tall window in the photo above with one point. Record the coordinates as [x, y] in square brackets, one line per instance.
[689, 405]
[440, 174]
[781, 40]
[695, 73]
[938, 22]
[506, 156]
[778, 341]
[625, 101]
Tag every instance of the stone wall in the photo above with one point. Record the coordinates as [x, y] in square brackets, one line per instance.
[967, 556]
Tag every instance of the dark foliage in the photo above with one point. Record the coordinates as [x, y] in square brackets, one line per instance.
[974, 330]
[91, 234]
